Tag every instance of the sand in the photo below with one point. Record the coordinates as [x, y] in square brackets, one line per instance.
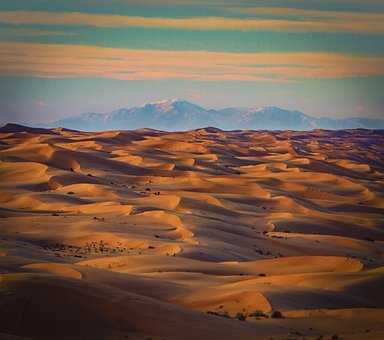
[202, 234]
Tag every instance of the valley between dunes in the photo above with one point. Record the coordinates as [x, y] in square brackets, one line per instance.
[182, 235]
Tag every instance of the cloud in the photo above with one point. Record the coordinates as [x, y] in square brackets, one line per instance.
[309, 13]
[311, 21]
[30, 32]
[62, 61]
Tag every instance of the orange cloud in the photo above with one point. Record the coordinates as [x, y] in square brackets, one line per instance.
[311, 21]
[46, 60]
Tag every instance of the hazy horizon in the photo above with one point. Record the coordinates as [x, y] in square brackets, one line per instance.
[53, 119]
[180, 115]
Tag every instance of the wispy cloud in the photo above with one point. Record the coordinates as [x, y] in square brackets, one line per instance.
[310, 21]
[308, 13]
[46, 60]
[31, 32]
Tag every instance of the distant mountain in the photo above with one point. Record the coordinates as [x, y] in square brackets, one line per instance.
[162, 115]
[175, 115]
[265, 118]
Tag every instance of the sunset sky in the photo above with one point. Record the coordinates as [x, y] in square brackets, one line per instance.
[64, 57]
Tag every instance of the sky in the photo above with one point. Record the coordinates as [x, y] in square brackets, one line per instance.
[60, 58]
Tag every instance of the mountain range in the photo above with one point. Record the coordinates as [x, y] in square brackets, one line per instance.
[177, 115]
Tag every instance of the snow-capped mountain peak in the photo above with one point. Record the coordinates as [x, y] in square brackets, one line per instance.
[179, 114]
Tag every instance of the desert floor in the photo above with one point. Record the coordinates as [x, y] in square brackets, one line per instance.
[179, 236]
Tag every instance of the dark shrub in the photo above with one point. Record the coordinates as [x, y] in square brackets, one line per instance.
[276, 315]
[258, 314]
[241, 317]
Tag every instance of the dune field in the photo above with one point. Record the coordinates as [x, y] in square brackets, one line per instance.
[202, 234]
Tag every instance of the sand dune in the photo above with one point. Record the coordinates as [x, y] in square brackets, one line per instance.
[153, 235]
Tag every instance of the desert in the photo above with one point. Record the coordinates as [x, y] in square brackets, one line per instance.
[201, 234]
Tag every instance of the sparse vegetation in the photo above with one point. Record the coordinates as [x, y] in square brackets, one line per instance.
[241, 316]
[258, 314]
[89, 249]
[101, 219]
[221, 314]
